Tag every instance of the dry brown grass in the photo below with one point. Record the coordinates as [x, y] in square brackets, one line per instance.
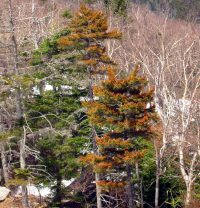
[194, 204]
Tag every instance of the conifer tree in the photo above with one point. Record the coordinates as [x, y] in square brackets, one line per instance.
[54, 109]
[88, 30]
[125, 108]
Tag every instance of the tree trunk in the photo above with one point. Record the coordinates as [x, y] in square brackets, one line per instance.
[4, 163]
[157, 177]
[140, 185]
[58, 195]
[129, 188]
[25, 202]
[18, 94]
[34, 26]
[19, 110]
[188, 194]
[157, 190]
[95, 148]
[97, 175]
[188, 175]
[98, 191]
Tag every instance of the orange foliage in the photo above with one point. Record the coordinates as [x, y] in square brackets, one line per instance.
[115, 34]
[107, 141]
[109, 185]
[103, 166]
[133, 106]
[88, 62]
[91, 159]
[122, 102]
[95, 48]
[133, 156]
[88, 27]
[65, 42]
[95, 111]
[101, 91]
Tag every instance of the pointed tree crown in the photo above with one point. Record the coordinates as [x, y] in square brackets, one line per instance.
[124, 104]
[125, 107]
[89, 28]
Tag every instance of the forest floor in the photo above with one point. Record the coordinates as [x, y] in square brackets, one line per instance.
[16, 203]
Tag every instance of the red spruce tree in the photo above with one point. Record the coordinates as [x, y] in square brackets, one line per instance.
[88, 30]
[126, 109]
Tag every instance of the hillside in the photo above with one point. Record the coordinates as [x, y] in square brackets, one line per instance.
[100, 103]
[183, 9]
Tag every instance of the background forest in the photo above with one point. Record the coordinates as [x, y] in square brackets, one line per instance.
[99, 103]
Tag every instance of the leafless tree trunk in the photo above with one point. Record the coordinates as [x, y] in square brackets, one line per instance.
[129, 188]
[4, 163]
[157, 177]
[25, 201]
[98, 191]
[19, 109]
[140, 184]
[189, 177]
[15, 62]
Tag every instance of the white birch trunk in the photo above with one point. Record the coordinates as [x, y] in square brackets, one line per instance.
[188, 176]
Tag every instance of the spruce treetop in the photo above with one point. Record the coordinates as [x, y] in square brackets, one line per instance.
[124, 104]
[89, 28]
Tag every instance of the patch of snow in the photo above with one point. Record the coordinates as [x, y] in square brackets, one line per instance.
[36, 91]
[66, 183]
[37, 191]
[88, 99]
[148, 105]
[66, 87]
[42, 190]
[48, 87]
